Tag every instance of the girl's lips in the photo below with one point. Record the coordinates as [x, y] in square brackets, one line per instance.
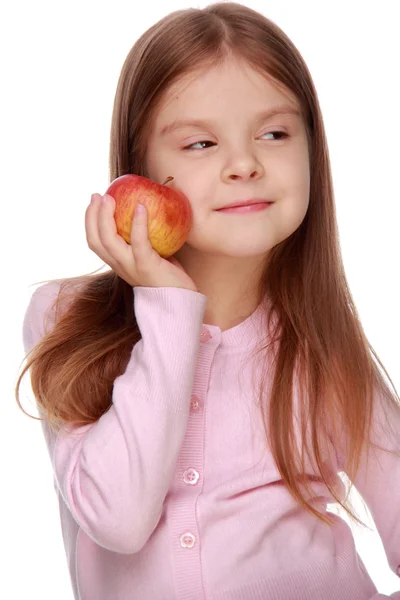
[246, 209]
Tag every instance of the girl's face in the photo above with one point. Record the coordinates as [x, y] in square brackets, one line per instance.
[235, 154]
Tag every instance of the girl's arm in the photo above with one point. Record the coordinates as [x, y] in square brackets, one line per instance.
[378, 481]
[115, 475]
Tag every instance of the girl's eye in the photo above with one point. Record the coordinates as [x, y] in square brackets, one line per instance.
[282, 135]
[201, 142]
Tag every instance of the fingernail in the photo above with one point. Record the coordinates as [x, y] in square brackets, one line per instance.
[140, 209]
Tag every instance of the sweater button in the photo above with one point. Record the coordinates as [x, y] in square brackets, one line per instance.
[187, 540]
[191, 476]
[194, 405]
[398, 570]
[205, 335]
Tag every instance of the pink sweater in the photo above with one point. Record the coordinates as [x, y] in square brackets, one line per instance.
[173, 495]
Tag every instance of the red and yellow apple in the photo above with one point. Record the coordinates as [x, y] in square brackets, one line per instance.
[169, 213]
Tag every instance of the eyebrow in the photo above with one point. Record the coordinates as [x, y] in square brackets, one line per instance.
[283, 109]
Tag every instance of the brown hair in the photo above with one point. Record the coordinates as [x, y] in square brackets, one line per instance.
[321, 339]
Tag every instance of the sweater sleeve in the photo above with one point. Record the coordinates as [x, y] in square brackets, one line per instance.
[114, 474]
[378, 480]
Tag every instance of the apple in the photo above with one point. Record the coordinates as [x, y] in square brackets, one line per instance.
[169, 213]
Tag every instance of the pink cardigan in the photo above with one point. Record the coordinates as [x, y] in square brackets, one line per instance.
[173, 494]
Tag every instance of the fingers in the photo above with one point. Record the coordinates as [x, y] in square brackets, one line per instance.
[94, 237]
[112, 242]
[141, 246]
[133, 262]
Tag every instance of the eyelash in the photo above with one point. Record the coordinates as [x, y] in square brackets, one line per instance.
[282, 133]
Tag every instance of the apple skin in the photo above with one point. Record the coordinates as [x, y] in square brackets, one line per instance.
[169, 213]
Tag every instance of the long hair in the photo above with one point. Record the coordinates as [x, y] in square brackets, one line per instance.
[321, 342]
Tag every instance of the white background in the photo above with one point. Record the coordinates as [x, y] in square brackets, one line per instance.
[60, 67]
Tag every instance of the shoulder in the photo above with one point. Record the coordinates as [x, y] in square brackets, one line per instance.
[45, 304]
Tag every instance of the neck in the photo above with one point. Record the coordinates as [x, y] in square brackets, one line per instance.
[230, 284]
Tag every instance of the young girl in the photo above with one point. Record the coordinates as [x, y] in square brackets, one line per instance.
[199, 409]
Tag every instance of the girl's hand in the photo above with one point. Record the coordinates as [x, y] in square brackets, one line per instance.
[138, 264]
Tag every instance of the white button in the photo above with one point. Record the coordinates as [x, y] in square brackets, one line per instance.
[205, 335]
[191, 476]
[187, 540]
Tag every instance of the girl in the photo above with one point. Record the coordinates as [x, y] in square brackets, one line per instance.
[198, 410]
